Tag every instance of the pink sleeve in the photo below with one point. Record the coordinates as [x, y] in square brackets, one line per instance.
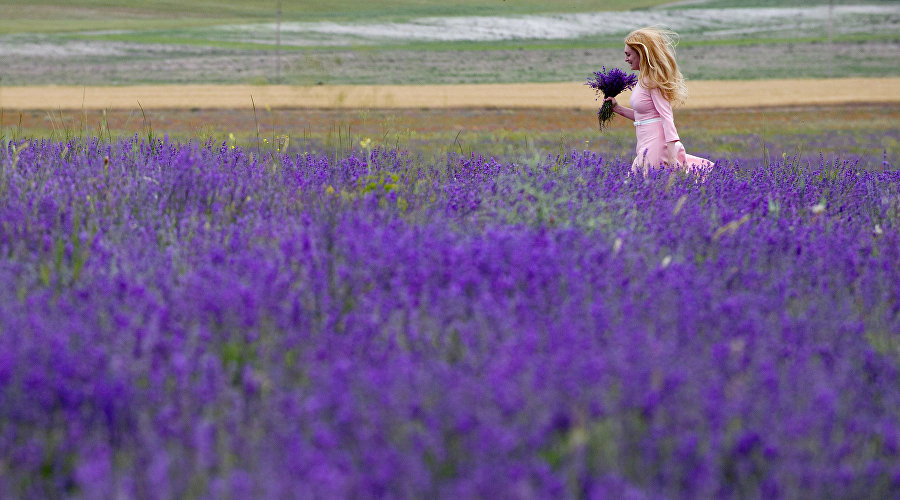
[664, 108]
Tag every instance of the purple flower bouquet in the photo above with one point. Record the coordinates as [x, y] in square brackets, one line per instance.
[610, 84]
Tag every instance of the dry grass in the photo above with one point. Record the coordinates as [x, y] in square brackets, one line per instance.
[434, 121]
[704, 95]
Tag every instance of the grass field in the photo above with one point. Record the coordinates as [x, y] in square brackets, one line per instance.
[49, 16]
[134, 64]
[869, 131]
[109, 43]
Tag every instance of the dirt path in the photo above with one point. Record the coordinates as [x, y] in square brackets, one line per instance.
[704, 94]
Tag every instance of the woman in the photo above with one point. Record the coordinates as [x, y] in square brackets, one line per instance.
[651, 51]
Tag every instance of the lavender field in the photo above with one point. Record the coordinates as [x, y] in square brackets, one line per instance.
[196, 320]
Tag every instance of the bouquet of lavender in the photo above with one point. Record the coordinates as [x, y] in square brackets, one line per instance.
[610, 84]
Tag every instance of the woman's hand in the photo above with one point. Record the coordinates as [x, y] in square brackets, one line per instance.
[672, 150]
[620, 110]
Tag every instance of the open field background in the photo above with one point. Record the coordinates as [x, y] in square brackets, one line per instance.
[406, 42]
[128, 63]
[704, 94]
[74, 15]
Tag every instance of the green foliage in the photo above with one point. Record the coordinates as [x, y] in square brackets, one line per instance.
[188, 29]
[49, 16]
[776, 3]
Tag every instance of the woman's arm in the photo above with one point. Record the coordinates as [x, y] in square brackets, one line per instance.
[664, 108]
[620, 110]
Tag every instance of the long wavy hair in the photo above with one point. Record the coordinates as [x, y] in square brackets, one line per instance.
[656, 48]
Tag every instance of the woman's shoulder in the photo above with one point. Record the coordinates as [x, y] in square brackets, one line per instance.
[647, 85]
[643, 86]
[654, 89]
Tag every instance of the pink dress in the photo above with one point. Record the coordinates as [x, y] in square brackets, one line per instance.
[650, 105]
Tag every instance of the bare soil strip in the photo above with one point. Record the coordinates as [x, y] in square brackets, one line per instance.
[704, 94]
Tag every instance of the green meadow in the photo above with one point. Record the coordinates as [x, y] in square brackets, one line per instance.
[96, 42]
[53, 16]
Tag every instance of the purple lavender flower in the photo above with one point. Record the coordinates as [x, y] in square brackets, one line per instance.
[193, 321]
[609, 84]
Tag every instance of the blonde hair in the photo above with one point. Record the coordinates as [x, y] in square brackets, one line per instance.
[656, 48]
